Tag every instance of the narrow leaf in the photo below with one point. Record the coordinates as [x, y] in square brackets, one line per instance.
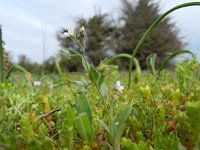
[122, 116]
[105, 126]
[84, 127]
[83, 106]
[93, 74]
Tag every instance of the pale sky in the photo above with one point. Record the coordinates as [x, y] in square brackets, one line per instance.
[25, 21]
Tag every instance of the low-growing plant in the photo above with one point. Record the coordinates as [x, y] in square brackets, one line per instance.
[93, 111]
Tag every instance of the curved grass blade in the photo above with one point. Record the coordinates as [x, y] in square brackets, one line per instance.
[151, 63]
[136, 62]
[175, 54]
[18, 67]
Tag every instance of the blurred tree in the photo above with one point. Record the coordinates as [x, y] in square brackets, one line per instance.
[28, 65]
[49, 65]
[136, 19]
[99, 37]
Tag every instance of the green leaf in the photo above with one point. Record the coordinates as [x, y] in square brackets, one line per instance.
[105, 126]
[170, 57]
[137, 73]
[84, 127]
[93, 74]
[70, 117]
[86, 147]
[104, 91]
[42, 131]
[110, 113]
[83, 106]
[100, 80]
[127, 144]
[122, 116]
[26, 127]
[151, 63]
[118, 136]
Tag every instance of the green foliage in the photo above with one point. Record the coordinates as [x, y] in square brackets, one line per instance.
[154, 113]
[83, 106]
[159, 113]
[84, 127]
[127, 144]
[185, 73]
[93, 74]
[151, 63]
[116, 124]
[27, 128]
[174, 54]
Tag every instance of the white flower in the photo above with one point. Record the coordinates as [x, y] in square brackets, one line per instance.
[51, 86]
[66, 34]
[36, 83]
[82, 29]
[82, 32]
[118, 87]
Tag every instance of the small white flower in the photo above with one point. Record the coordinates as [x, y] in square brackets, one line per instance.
[36, 83]
[118, 87]
[82, 32]
[82, 29]
[67, 33]
[51, 86]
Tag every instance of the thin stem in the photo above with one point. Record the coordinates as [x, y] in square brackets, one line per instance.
[118, 56]
[84, 59]
[59, 69]
[176, 53]
[18, 67]
[150, 29]
[99, 92]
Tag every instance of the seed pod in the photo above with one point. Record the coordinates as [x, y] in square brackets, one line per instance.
[82, 32]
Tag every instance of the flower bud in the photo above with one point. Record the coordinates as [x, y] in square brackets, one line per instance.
[82, 32]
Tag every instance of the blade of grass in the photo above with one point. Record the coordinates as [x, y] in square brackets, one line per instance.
[176, 53]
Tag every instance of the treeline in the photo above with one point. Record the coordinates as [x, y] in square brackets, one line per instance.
[107, 37]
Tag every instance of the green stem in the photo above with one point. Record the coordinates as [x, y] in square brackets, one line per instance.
[150, 29]
[118, 56]
[59, 69]
[84, 59]
[99, 92]
[18, 67]
[176, 53]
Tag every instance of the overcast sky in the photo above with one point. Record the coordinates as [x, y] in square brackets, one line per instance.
[25, 21]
